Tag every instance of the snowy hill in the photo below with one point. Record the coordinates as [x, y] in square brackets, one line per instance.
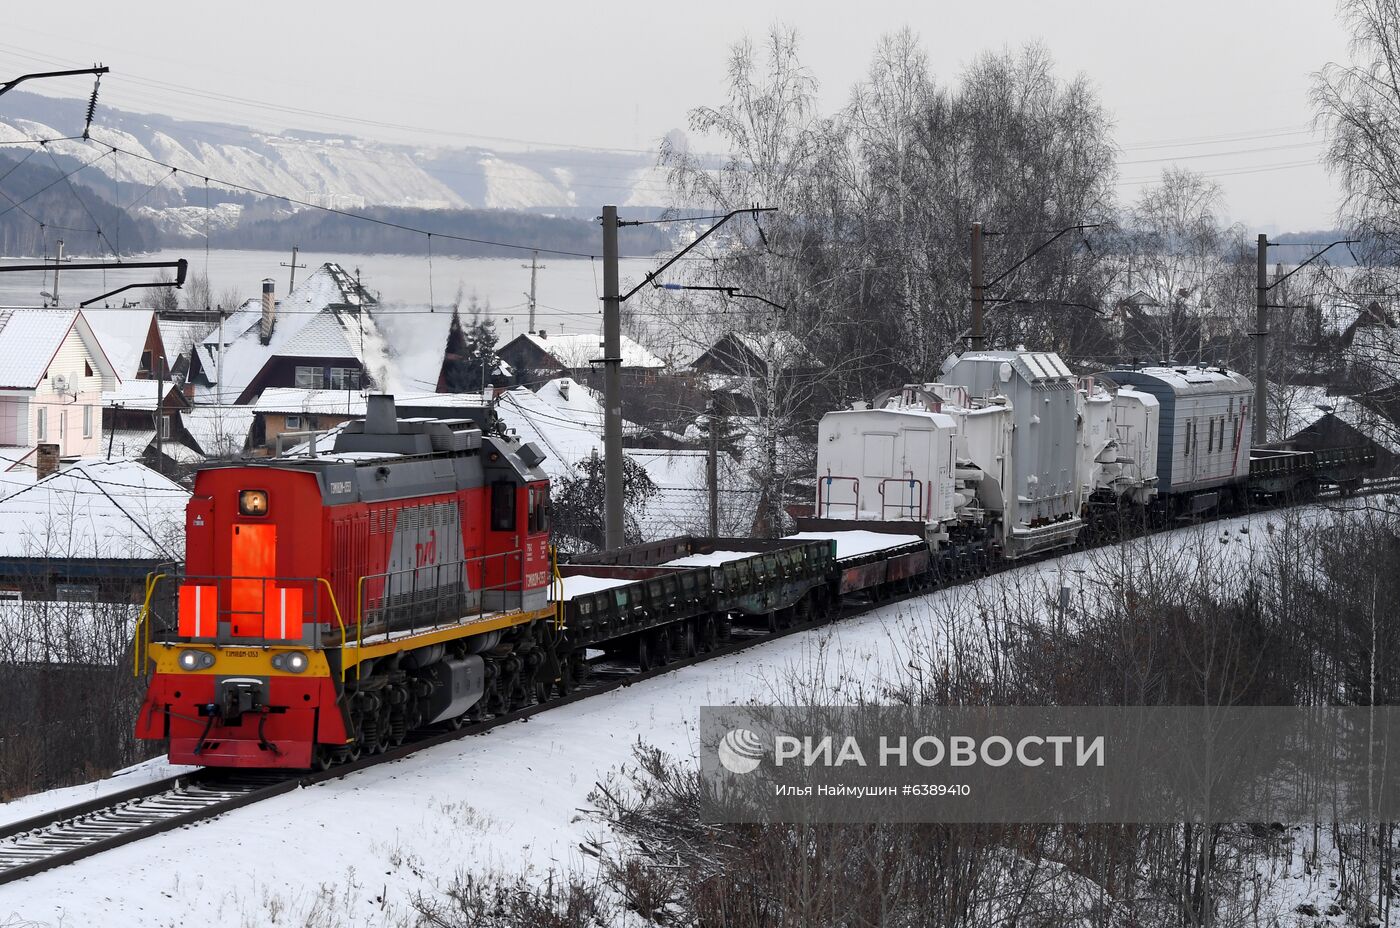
[341, 171]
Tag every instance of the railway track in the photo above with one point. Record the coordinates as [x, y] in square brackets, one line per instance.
[72, 833]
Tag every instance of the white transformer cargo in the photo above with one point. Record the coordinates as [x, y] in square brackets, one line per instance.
[888, 464]
[1038, 468]
[1203, 432]
[1117, 460]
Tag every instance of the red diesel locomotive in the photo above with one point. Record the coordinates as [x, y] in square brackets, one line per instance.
[332, 602]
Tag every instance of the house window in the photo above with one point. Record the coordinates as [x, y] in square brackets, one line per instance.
[75, 592]
[43, 424]
[87, 421]
[11, 596]
[164, 426]
[294, 422]
[310, 378]
[344, 378]
[145, 361]
[87, 369]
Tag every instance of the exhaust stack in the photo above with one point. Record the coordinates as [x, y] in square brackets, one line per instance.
[269, 310]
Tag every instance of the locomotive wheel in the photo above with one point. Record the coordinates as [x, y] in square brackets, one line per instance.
[323, 758]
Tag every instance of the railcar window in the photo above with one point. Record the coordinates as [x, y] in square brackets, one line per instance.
[502, 506]
[1210, 435]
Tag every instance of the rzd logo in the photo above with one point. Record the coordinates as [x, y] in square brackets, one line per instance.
[740, 751]
[426, 553]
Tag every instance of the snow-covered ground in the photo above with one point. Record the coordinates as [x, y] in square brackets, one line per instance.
[362, 846]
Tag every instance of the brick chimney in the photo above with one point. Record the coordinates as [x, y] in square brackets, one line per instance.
[47, 462]
[269, 311]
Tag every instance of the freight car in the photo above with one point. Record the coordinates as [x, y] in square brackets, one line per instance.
[1203, 439]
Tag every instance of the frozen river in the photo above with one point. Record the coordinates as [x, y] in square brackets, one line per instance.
[567, 289]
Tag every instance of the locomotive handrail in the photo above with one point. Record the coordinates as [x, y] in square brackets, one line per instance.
[335, 607]
[142, 622]
[438, 588]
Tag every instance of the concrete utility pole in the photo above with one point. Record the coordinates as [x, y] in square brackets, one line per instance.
[535, 267]
[712, 470]
[1261, 332]
[612, 385]
[612, 348]
[57, 261]
[978, 340]
[292, 284]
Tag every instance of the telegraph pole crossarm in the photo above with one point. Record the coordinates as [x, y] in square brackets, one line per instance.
[754, 210]
[978, 339]
[612, 359]
[1261, 326]
[292, 284]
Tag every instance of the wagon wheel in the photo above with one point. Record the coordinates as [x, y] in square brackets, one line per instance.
[645, 652]
[709, 637]
[688, 639]
[663, 646]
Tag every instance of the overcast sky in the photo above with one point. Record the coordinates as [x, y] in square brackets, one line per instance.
[1220, 85]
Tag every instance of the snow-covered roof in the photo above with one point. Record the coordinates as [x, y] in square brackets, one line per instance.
[578, 351]
[12, 455]
[137, 394]
[1297, 408]
[29, 339]
[113, 510]
[219, 431]
[320, 318]
[778, 346]
[179, 334]
[352, 403]
[128, 443]
[568, 394]
[122, 335]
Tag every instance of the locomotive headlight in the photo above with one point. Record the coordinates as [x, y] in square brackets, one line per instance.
[291, 661]
[252, 502]
[196, 660]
